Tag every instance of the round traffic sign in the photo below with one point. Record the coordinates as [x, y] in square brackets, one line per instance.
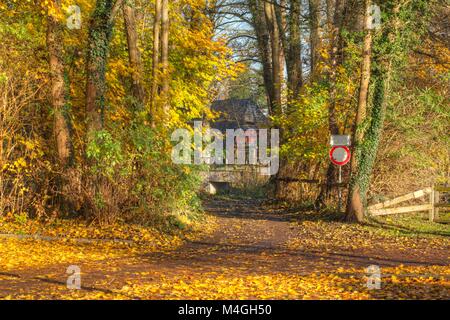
[340, 155]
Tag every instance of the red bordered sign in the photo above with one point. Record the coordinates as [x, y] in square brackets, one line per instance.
[340, 155]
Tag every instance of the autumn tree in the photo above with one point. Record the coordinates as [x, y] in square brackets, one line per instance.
[391, 44]
[165, 57]
[335, 22]
[315, 37]
[156, 55]
[61, 127]
[100, 31]
[261, 30]
[354, 202]
[160, 66]
[292, 45]
[134, 53]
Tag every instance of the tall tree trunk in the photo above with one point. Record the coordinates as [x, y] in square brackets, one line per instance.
[156, 54]
[165, 57]
[368, 151]
[280, 10]
[336, 49]
[380, 77]
[134, 55]
[355, 207]
[100, 31]
[365, 77]
[61, 127]
[275, 26]
[363, 84]
[276, 51]
[294, 56]
[263, 40]
[314, 38]
[335, 61]
[290, 34]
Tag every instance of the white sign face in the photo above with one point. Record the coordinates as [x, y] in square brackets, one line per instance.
[340, 140]
[340, 155]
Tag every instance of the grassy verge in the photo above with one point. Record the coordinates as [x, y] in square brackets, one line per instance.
[413, 224]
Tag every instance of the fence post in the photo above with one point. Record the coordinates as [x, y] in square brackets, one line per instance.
[431, 217]
[436, 202]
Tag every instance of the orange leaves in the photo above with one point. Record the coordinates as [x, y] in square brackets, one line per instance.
[251, 255]
[232, 284]
[75, 230]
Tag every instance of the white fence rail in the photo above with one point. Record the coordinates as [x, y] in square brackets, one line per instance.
[433, 207]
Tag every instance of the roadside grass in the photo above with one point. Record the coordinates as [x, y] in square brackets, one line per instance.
[413, 224]
[407, 225]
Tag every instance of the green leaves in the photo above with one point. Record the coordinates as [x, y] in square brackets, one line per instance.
[106, 152]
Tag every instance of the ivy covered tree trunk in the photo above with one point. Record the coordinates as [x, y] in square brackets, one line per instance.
[365, 74]
[367, 152]
[355, 202]
[389, 48]
[100, 31]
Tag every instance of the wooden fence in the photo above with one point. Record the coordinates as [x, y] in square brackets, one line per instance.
[433, 206]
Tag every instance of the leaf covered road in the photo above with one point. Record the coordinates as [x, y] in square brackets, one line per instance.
[254, 252]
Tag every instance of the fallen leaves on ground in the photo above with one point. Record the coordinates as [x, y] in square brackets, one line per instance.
[16, 254]
[333, 236]
[74, 242]
[397, 283]
[120, 231]
[252, 254]
[400, 283]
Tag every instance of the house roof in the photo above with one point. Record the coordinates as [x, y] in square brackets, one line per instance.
[238, 113]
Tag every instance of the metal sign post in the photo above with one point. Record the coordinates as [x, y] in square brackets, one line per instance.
[340, 155]
[339, 189]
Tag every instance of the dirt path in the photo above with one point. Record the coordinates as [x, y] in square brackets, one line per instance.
[252, 244]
